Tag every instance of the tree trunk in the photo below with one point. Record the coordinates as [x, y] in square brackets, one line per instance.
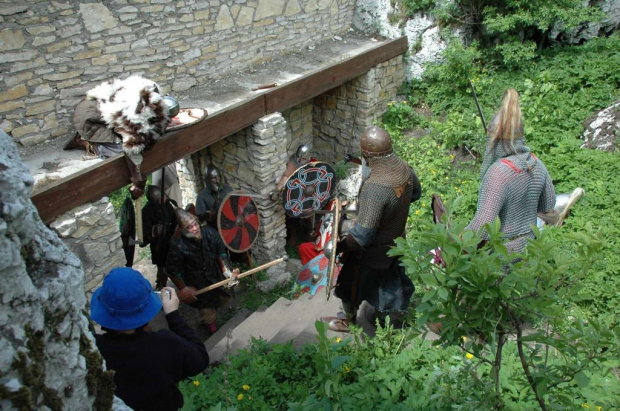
[48, 358]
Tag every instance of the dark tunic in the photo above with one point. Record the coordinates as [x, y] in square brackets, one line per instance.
[148, 365]
[153, 214]
[196, 263]
[208, 200]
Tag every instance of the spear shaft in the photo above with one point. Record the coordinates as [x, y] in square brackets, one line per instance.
[473, 92]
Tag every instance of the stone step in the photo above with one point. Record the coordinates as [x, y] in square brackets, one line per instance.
[303, 313]
[240, 317]
[284, 321]
[261, 324]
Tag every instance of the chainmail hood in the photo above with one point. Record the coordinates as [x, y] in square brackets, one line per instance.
[502, 148]
[388, 171]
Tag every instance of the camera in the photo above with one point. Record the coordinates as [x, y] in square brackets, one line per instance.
[160, 296]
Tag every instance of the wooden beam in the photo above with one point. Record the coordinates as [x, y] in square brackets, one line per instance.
[314, 84]
[108, 176]
[182, 143]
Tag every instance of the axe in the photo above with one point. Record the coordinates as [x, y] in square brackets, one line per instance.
[240, 276]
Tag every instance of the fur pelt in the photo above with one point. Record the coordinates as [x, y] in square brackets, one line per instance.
[134, 109]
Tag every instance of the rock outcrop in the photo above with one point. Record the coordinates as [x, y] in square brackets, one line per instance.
[602, 131]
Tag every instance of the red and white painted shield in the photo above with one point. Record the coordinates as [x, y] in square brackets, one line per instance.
[238, 222]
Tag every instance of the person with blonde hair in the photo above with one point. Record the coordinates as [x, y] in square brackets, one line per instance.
[515, 185]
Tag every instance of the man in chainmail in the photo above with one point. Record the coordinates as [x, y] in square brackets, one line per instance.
[197, 259]
[368, 273]
[211, 197]
[515, 185]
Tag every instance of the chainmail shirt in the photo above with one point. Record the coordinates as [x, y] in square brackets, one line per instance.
[383, 208]
[515, 186]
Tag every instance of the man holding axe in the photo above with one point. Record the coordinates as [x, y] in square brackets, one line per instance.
[197, 259]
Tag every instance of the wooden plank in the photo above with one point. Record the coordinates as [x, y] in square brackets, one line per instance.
[182, 143]
[104, 178]
[309, 86]
[108, 176]
[89, 184]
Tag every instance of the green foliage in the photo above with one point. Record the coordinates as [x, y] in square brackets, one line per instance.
[516, 53]
[514, 32]
[262, 377]
[400, 117]
[487, 293]
[415, 6]
[118, 197]
[449, 80]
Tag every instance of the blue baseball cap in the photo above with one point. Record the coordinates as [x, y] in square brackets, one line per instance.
[125, 301]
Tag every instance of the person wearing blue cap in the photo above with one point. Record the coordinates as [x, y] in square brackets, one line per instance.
[147, 365]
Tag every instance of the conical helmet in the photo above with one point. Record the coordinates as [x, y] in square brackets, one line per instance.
[375, 142]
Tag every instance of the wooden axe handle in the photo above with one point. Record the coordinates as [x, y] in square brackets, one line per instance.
[138, 208]
[240, 276]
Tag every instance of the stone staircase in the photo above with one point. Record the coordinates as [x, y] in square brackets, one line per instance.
[284, 321]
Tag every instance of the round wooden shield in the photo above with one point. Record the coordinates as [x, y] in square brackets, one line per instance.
[238, 222]
[331, 271]
[308, 189]
[313, 275]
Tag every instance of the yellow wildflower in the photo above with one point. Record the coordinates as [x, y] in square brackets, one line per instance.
[423, 204]
[196, 383]
[246, 387]
[347, 369]
[338, 339]
[451, 156]
[599, 408]
[417, 212]
[404, 101]
[586, 406]
[239, 397]
[469, 356]
[464, 338]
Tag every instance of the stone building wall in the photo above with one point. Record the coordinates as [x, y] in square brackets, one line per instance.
[341, 115]
[52, 52]
[92, 233]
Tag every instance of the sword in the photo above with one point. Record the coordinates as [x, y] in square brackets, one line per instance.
[473, 92]
[240, 276]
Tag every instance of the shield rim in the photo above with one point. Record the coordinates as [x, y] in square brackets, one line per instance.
[332, 258]
[308, 213]
[219, 220]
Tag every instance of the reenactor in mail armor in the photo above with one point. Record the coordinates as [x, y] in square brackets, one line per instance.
[210, 198]
[368, 273]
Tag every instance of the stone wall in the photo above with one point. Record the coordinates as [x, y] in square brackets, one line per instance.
[92, 233]
[52, 52]
[341, 115]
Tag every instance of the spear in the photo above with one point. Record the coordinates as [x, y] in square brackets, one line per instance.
[473, 92]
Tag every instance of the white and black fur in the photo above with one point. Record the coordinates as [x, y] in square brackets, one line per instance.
[134, 109]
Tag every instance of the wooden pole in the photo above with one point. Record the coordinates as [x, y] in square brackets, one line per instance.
[240, 276]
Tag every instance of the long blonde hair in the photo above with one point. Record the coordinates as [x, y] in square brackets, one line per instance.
[509, 125]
